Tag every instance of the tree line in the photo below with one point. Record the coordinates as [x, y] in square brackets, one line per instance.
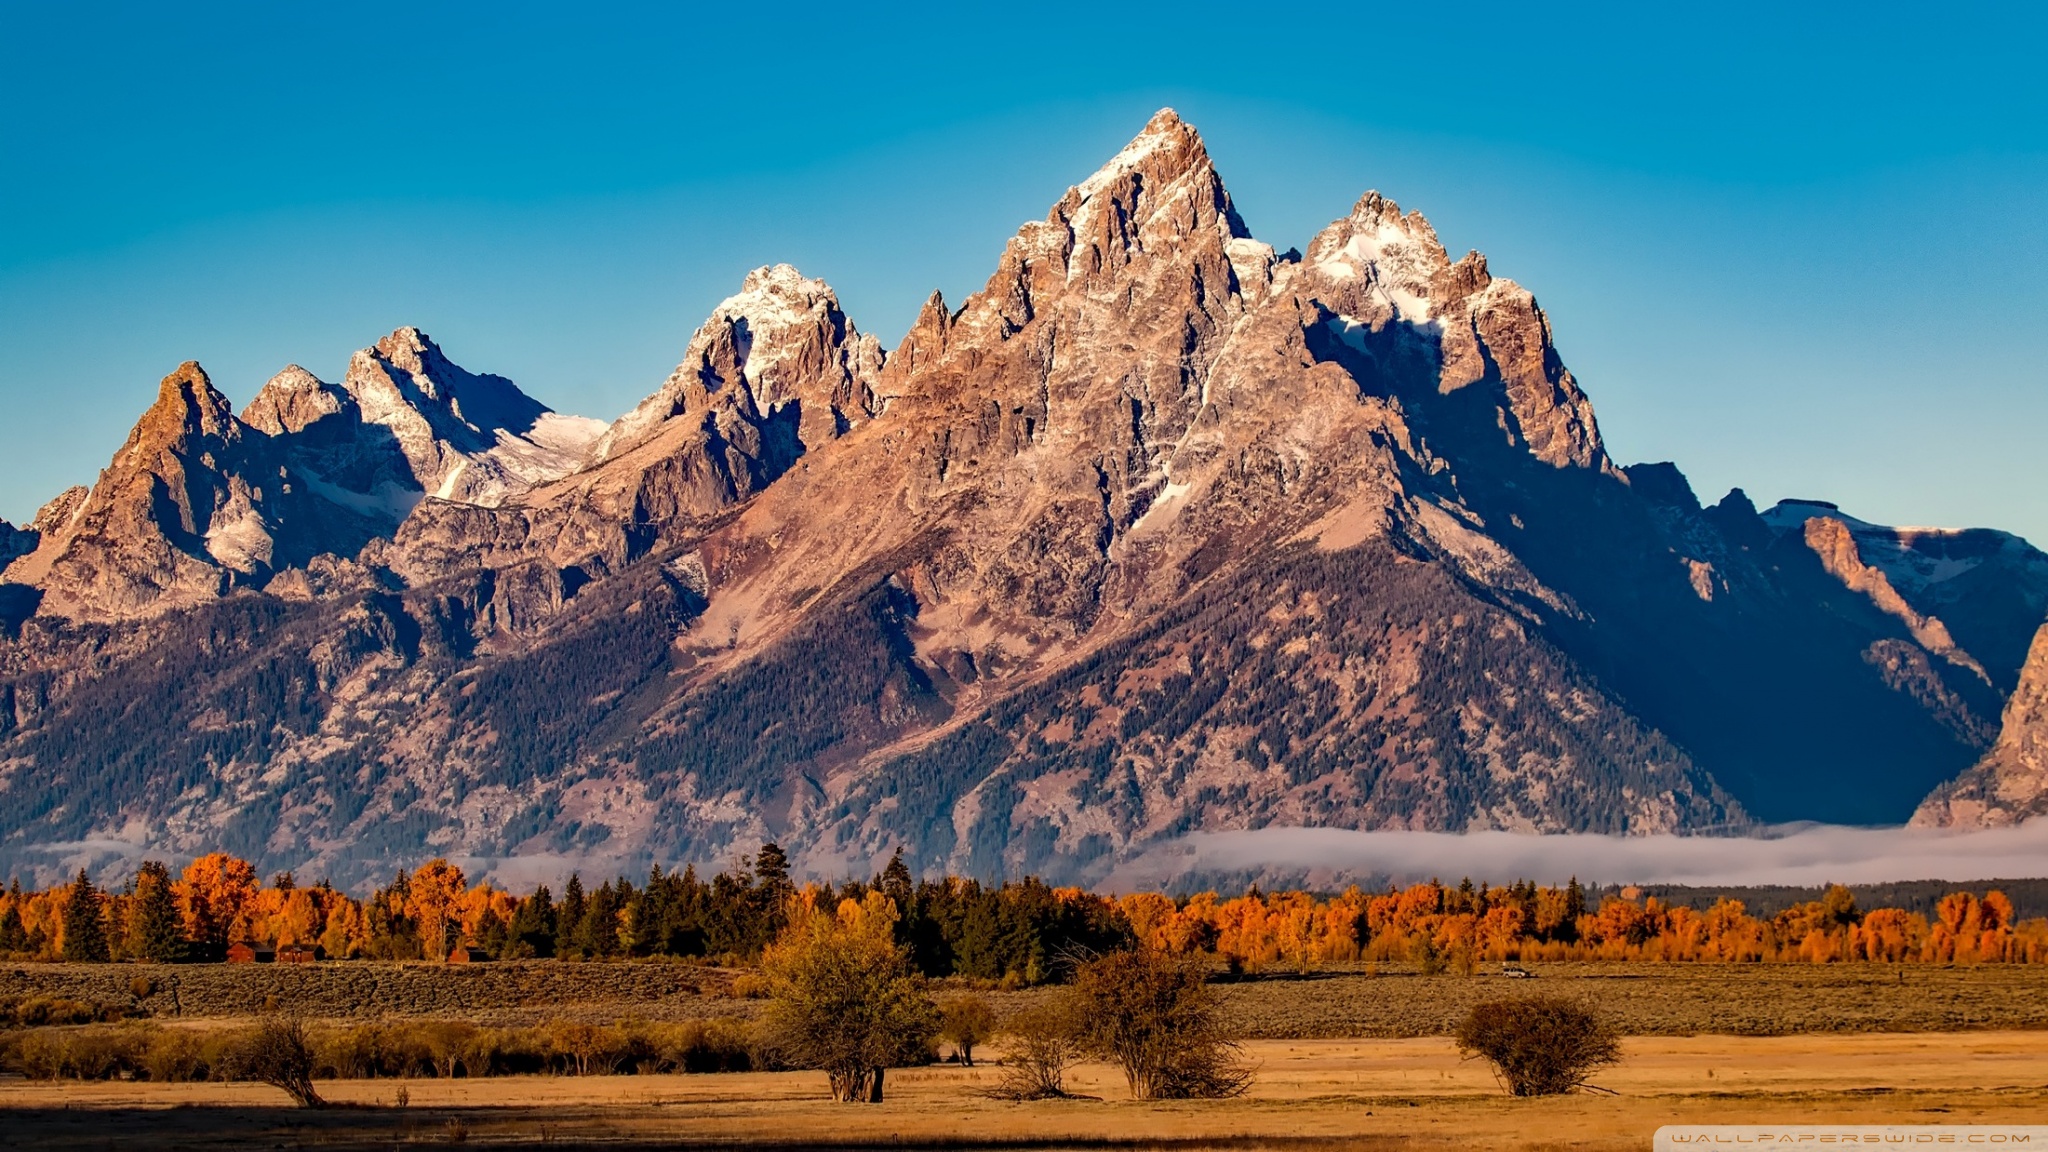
[1018, 933]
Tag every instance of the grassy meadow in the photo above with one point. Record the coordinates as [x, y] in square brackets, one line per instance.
[1348, 1059]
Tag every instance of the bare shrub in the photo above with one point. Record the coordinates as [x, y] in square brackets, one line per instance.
[1044, 1041]
[965, 1022]
[278, 1052]
[1538, 1045]
[1154, 1016]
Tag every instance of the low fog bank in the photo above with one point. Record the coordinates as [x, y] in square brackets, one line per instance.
[1802, 855]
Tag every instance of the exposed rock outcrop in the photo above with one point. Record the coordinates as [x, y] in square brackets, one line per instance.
[2010, 784]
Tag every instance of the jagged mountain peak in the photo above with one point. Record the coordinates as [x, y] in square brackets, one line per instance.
[292, 401]
[468, 437]
[1166, 150]
[779, 346]
[187, 406]
[1396, 296]
[1381, 265]
[14, 542]
[60, 509]
[2010, 784]
[414, 351]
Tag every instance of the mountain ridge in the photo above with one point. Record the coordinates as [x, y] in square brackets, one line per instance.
[1158, 531]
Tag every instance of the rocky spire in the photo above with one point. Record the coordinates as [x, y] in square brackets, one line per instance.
[2011, 783]
[171, 521]
[463, 436]
[14, 542]
[294, 400]
[1385, 273]
[1099, 325]
[780, 351]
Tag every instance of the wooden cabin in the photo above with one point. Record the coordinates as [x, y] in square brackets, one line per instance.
[249, 954]
[298, 953]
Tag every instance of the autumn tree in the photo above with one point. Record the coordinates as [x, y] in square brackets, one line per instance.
[433, 900]
[965, 1022]
[212, 895]
[844, 998]
[85, 930]
[1154, 1016]
[155, 929]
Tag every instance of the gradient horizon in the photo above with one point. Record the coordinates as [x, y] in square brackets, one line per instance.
[1794, 254]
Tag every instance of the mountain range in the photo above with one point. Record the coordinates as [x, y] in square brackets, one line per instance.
[1161, 531]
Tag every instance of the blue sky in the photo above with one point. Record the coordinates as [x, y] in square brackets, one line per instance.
[1800, 254]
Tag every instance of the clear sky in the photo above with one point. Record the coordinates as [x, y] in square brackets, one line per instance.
[1798, 253]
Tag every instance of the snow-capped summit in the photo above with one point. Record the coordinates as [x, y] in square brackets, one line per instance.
[779, 352]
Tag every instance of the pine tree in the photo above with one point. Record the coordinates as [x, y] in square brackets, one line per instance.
[771, 869]
[569, 918]
[895, 883]
[155, 930]
[598, 933]
[13, 934]
[533, 926]
[85, 931]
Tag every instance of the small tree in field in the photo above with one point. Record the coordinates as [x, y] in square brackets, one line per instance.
[1538, 1045]
[966, 1022]
[279, 1053]
[843, 996]
[1154, 1016]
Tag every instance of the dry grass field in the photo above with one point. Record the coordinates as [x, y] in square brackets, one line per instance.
[1412, 1093]
[1350, 1060]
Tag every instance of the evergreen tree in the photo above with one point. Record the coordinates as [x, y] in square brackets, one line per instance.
[896, 883]
[771, 869]
[598, 934]
[13, 934]
[155, 931]
[492, 935]
[569, 918]
[533, 927]
[85, 930]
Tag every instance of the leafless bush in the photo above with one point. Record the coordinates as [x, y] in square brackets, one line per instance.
[1154, 1016]
[278, 1052]
[1044, 1041]
[1538, 1045]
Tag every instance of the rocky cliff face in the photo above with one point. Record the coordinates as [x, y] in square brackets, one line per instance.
[1158, 531]
[2010, 784]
